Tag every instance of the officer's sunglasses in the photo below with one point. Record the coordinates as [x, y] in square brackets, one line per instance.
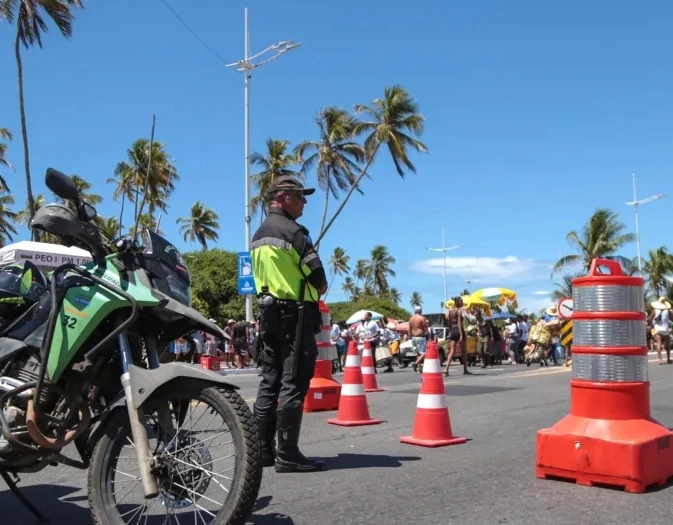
[299, 194]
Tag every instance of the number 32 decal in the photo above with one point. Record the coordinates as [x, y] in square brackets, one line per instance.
[69, 322]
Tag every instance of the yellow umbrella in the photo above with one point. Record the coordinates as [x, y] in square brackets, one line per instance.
[496, 295]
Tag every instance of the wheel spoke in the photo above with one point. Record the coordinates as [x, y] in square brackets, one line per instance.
[195, 465]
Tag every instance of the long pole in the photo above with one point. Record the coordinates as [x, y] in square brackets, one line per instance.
[635, 207]
[444, 250]
[248, 218]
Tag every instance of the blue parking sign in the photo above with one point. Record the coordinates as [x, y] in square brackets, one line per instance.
[246, 281]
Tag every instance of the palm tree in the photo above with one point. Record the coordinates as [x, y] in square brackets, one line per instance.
[83, 186]
[657, 267]
[7, 217]
[349, 287]
[5, 135]
[601, 236]
[30, 24]
[565, 287]
[335, 155]
[201, 225]
[338, 263]
[379, 267]
[109, 226]
[23, 216]
[147, 222]
[416, 299]
[394, 120]
[276, 162]
[394, 295]
[360, 272]
[139, 185]
[124, 189]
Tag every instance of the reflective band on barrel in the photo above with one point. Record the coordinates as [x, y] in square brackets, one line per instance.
[608, 299]
[367, 369]
[617, 368]
[352, 360]
[609, 332]
[431, 366]
[353, 390]
[429, 400]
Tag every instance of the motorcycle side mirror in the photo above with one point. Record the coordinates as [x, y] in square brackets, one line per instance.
[62, 185]
[88, 212]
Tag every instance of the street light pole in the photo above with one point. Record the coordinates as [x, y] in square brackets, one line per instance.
[635, 203]
[444, 249]
[246, 65]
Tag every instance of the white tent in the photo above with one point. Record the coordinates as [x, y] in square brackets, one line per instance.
[42, 254]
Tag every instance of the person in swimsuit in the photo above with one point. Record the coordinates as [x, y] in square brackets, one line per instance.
[418, 326]
[454, 318]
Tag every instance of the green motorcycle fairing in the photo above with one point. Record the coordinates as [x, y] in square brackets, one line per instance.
[85, 308]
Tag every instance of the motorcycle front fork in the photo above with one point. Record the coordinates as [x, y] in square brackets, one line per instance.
[137, 416]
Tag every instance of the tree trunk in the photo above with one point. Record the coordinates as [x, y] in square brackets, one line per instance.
[324, 217]
[121, 216]
[323, 231]
[329, 287]
[24, 132]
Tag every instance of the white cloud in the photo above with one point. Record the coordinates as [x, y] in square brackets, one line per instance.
[534, 304]
[542, 292]
[493, 271]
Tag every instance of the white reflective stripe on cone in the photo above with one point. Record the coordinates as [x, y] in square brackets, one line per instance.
[367, 369]
[352, 360]
[367, 351]
[353, 390]
[432, 366]
[429, 401]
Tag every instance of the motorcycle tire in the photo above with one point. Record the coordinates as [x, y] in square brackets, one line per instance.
[246, 473]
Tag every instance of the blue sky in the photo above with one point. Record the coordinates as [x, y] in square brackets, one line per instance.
[537, 114]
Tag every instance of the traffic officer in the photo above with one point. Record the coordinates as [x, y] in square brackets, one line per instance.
[290, 278]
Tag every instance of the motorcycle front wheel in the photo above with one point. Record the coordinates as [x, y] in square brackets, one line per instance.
[208, 467]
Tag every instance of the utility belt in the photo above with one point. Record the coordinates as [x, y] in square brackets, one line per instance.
[276, 315]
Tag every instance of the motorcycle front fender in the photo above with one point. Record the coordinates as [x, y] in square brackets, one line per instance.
[145, 382]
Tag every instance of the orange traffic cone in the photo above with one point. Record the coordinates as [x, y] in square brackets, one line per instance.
[432, 426]
[368, 370]
[353, 410]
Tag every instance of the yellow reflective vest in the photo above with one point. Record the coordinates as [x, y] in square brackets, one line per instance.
[282, 255]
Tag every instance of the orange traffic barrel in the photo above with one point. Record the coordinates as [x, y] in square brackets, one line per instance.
[323, 392]
[609, 437]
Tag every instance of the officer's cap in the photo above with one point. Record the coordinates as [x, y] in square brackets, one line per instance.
[288, 183]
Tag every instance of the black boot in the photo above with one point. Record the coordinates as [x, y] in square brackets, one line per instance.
[266, 422]
[289, 459]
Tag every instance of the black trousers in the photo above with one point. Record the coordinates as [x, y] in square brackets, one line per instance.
[278, 389]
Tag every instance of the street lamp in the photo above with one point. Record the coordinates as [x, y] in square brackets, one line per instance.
[246, 65]
[635, 203]
[444, 249]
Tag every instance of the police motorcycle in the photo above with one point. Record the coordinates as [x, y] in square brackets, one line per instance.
[81, 385]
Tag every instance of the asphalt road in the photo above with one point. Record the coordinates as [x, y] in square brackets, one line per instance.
[372, 478]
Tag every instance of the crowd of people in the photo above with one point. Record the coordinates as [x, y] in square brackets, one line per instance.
[234, 352]
[467, 335]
